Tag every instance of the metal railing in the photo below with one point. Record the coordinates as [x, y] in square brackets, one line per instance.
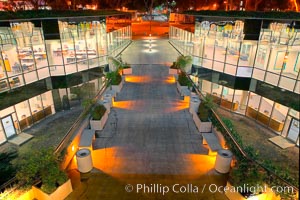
[239, 148]
[66, 139]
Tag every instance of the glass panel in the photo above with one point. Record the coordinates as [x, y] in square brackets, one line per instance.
[4, 86]
[272, 78]
[16, 81]
[23, 113]
[36, 108]
[43, 73]
[48, 104]
[2, 136]
[294, 113]
[55, 52]
[292, 65]
[230, 69]
[218, 66]
[247, 54]
[278, 117]
[265, 110]
[276, 63]
[262, 57]
[30, 77]
[8, 60]
[93, 62]
[287, 83]
[259, 74]
[232, 54]
[8, 126]
[71, 68]
[241, 98]
[220, 54]
[16, 122]
[293, 133]
[205, 86]
[40, 56]
[209, 48]
[82, 64]
[216, 92]
[286, 126]
[227, 97]
[56, 70]
[207, 63]
[252, 108]
[6, 111]
[297, 88]
[244, 71]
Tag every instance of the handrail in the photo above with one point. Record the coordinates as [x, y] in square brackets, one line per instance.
[77, 123]
[245, 155]
[69, 134]
[64, 140]
[8, 183]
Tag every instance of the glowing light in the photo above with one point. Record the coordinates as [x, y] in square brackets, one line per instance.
[152, 51]
[177, 106]
[199, 163]
[73, 147]
[138, 79]
[128, 105]
[107, 161]
[170, 80]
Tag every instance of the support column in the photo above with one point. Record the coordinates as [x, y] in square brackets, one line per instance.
[243, 101]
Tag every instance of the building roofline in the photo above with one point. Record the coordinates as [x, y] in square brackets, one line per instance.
[246, 15]
[56, 14]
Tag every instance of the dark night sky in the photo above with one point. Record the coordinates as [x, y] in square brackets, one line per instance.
[199, 4]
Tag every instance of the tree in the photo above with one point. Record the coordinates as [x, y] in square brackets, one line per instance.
[42, 165]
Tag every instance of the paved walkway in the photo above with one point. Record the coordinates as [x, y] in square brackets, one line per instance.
[150, 126]
[149, 139]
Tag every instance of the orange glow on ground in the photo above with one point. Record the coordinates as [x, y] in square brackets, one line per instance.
[201, 164]
[138, 79]
[107, 161]
[170, 80]
[177, 106]
[129, 105]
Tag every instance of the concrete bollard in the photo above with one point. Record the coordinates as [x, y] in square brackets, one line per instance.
[223, 161]
[84, 160]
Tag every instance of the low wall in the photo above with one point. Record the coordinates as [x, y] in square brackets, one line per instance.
[203, 127]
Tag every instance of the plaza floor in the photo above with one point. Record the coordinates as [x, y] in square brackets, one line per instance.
[149, 144]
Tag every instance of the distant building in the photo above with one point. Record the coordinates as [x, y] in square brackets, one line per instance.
[249, 66]
[49, 65]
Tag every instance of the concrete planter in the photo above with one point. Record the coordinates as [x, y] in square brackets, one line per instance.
[60, 193]
[99, 124]
[172, 71]
[194, 105]
[203, 127]
[117, 88]
[181, 88]
[127, 71]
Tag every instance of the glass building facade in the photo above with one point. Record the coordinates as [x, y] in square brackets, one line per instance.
[248, 66]
[48, 65]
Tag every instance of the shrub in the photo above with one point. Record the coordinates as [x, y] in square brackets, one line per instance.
[114, 77]
[174, 66]
[126, 66]
[98, 112]
[204, 110]
[41, 165]
[183, 80]
[7, 171]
